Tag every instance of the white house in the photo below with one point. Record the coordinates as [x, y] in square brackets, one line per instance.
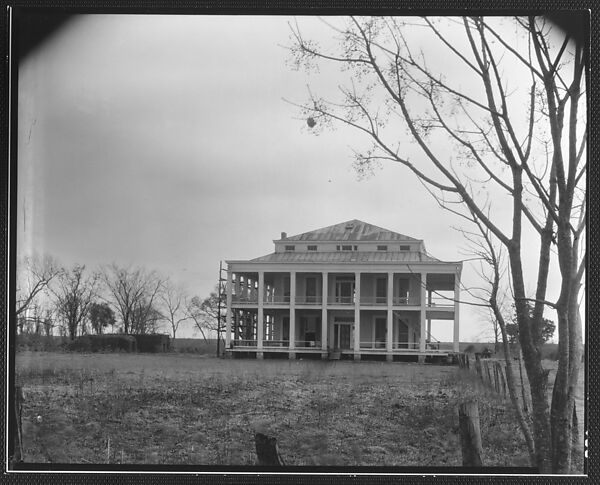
[348, 290]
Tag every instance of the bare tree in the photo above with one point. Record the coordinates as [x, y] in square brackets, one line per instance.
[133, 292]
[474, 147]
[208, 315]
[173, 305]
[74, 292]
[34, 274]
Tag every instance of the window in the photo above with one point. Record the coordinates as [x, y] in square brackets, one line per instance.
[311, 290]
[381, 290]
[356, 248]
[312, 248]
[346, 247]
[382, 248]
[290, 248]
[286, 289]
[404, 248]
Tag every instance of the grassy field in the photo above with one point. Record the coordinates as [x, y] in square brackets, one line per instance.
[194, 410]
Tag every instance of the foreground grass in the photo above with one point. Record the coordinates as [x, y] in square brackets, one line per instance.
[186, 409]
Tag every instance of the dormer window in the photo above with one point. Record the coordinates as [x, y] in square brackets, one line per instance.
[404, 248]
[312, 248]
[290, 248]
[382, 247]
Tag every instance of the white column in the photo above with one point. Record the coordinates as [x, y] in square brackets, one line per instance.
[260, 319]
[357, 315]
[292, 310]
[390, 313]
[229, 310]
[429, 300]
[324, 323]
[455, 341]
[423, 311]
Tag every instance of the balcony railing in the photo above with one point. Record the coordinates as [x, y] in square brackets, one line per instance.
[373, 300]
[406, 300]
[341, 300]
[441, 302]
[277, 300]
[308, 300]
[244, 298]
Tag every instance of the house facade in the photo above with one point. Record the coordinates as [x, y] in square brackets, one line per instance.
[349, 290]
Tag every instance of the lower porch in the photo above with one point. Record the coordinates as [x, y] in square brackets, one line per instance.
[367, 333]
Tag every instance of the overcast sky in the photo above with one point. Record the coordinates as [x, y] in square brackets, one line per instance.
[164, 141]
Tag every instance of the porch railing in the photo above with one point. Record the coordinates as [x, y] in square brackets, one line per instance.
[341, 300]
[244, 298]
[308, 300]
[277, 300]
[244, 343]
[308, 344]
[378, 344]
[373, 300]
[441, 302]
[406, 300]
[276, 343]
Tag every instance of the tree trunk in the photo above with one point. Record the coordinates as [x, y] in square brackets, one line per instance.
[538, 376]
[470, 433]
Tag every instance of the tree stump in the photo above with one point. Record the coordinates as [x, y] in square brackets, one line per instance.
[266, 450]
[470, 433]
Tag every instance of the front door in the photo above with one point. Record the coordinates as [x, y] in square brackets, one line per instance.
[341, 336]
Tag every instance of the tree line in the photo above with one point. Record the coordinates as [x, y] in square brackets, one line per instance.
[72, 301]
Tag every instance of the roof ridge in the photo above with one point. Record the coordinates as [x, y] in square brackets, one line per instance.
[351, 230]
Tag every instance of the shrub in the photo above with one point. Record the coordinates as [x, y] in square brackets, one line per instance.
[153, 342]
[109, 342]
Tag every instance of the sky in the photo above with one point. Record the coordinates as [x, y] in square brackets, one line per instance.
[167, 142]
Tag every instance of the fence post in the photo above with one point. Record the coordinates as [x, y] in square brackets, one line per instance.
[470, 433]
[488, 372]
[503, 378]
[478, 366]
[16, 418]
[496, 377]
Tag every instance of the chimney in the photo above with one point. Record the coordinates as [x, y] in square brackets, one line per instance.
[283, 235]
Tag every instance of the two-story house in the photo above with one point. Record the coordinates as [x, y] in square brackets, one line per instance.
[352, 289]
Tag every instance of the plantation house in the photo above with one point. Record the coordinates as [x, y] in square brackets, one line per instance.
[347, 290]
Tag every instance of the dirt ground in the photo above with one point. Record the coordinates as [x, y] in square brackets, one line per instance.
[192, 410]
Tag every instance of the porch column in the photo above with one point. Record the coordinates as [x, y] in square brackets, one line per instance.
[292, 311]
[260, 318]
[455, 341]
[229, 310]
[429, 300]
[389, 336]
[423, 312]
[324, 323]
[357, 315]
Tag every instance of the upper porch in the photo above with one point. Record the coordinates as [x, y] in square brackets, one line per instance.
[285, 289]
